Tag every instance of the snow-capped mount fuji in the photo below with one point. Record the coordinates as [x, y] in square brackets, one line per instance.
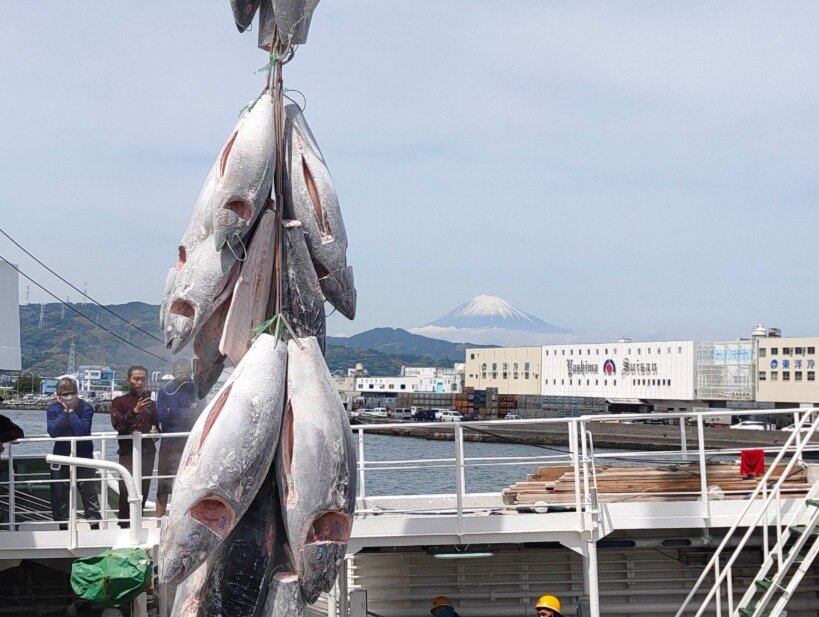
[490, 319]
[493, 312]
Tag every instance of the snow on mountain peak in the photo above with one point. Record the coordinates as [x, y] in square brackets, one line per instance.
[486, 312]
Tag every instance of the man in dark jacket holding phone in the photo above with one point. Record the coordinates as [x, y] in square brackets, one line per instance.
[132, 412]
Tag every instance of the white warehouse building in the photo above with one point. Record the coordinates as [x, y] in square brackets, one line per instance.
[415, 379]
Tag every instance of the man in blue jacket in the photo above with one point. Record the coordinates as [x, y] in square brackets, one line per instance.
[70, 416]
[178, 408]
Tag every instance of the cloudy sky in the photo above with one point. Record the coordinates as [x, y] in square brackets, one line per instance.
[618, 168]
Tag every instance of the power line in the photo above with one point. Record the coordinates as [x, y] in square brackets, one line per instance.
[82, 292]
[86, 317]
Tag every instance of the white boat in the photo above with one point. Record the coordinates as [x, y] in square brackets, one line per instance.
[602, 552]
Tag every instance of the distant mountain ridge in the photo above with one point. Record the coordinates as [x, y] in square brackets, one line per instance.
[399, 341]
[45, 350]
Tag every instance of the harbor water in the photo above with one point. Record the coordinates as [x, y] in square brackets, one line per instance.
[426, 475]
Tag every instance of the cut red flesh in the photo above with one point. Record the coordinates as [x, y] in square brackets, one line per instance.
[213, 415]
[241, 208]
[314, 197]
[330, 527]
[223, 158]
[183, 308]
[215, 514]
[183, 257]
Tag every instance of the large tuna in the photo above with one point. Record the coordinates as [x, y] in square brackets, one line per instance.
[226, 459]
[170, 279]
[302, 301]
[248, 307]
[310, 197]
[198, 290]
[241, 568]
[315, 468]
[237, 186]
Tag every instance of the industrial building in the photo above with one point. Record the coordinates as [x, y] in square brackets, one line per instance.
[786, 370]
[415, 379]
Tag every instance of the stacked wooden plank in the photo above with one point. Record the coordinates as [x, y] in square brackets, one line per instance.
[556, 485]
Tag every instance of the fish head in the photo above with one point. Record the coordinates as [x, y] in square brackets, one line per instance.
[321, 552]
[231, 221]
[339, 289]
[192, 539]
[180, 318]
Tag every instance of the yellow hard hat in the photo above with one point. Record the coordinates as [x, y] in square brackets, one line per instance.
[441, 601]
[549, 602]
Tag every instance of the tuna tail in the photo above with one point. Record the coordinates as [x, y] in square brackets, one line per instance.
[284, 597]
[293, 19]
[302, 301]
[188, 597]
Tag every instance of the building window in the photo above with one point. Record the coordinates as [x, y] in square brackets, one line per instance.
[562, 381]
[811, 376]
[797, 375]
[811, 350]
[786, 375]
[615, 382]
[587, 381]
[787, 351]
[514, 375]
[494, 375]
[774, 351]
[774, 376]
[629, 351]
[669, 382]
[639, 351]
[505, 375]
[605, 382]
[649, 350]
[762, 376]
[562, 352]
[526, 375]
[763, 352]
[799, 351]
[679, 349]
[403, 386]
[607, 352]
[588, 352]
[659, 351]
[597, 351]
[596, 382]
[472, 356]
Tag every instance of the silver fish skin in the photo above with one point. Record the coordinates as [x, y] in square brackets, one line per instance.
[170, 278]
[244, 174]
[209, 362]
[302, 300]
[284, 597]
[208, 276]
[293, 19]
[241, 568]
[340, 285]
[200, 226]
[243, 12]
[310, 197]
[315, 470]
[226, 460]
[189, 595]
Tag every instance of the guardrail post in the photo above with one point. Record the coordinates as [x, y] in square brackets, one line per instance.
[12, 496]
[104, 486]
[586, 495]
[576, 465]
[459, 469]
[362, 493]
[683, 440]
[703, 476]
[136, 458]
[72, 498]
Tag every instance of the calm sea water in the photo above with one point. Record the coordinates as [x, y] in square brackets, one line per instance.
[426, 476]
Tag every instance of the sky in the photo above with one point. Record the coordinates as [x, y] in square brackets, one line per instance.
[643, 169]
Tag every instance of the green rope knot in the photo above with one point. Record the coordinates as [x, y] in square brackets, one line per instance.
[274, 58]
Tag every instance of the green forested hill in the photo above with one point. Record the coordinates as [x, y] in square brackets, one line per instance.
[46, 349]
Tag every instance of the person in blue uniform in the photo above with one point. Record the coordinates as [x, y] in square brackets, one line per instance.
[70, 416]
[178, 408]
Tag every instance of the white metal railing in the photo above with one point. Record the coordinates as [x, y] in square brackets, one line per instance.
[454, 462]
[795, 445]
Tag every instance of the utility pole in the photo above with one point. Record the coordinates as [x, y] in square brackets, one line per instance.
[84, 292]
[42, 315]
[72, 357]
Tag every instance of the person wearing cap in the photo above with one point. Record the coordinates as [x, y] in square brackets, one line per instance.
[178, 408]
[442, 607]
[548, 606]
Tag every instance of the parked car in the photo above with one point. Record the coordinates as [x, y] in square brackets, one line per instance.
[751, 425]
[450, 415]
[512, 416]
[424, 415]
[792, 427]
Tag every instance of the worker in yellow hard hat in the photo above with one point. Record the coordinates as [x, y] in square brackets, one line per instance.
[442, 607]
[548, 606]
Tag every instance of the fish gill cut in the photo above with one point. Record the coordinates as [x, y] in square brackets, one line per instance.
[251, 292]
[225, 461]
[315, 469]
[310, 197]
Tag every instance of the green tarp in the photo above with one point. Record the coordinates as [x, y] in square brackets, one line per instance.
[112, 578]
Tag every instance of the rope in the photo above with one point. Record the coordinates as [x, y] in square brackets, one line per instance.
[105, 308]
